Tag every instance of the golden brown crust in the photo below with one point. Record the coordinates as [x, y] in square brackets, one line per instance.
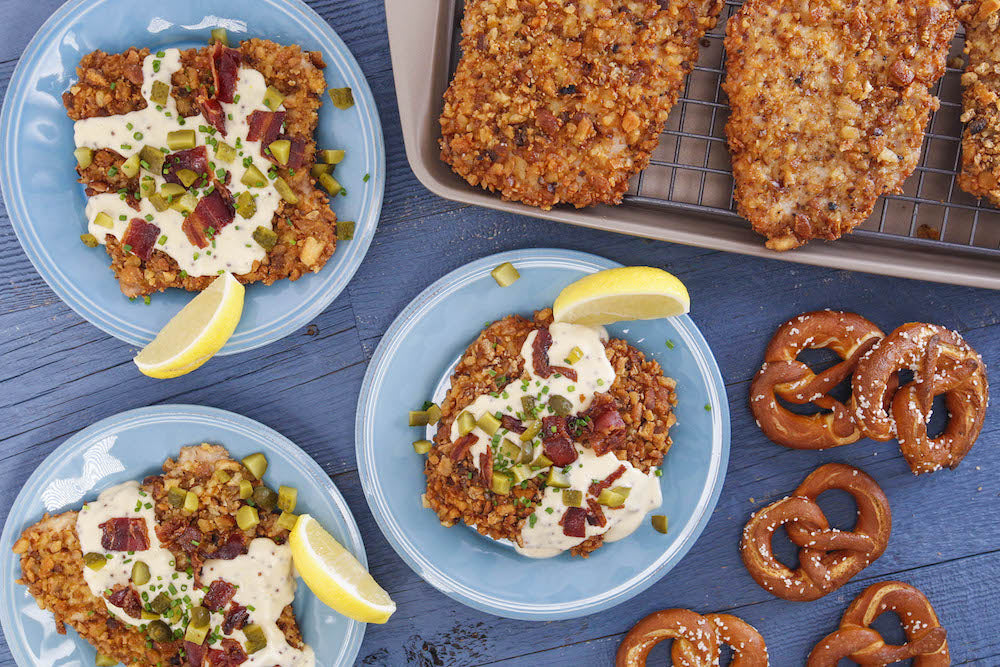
[829, 104]
[111, 84]
[555, 102]
[980, 173]
[641, 393]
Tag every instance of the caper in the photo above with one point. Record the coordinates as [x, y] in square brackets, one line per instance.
[200, 616]
[94, 561]
[560, 405]
[140, 573]
[265, 498]
[159, 631]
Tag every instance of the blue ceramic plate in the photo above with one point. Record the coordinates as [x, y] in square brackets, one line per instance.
[46, 204]
[413, 363]
[135, 444]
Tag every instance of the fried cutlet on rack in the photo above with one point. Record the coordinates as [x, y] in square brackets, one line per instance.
[980, 172]
[555, 102]
[829, 104]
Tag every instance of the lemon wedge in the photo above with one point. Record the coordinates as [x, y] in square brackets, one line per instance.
[617, 295]
[196, 333]
[335, 575]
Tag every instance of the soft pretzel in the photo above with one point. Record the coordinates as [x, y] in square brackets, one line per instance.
[926, 640]
[942, 363]
[828, 558]
[696, 640]
[782, 376]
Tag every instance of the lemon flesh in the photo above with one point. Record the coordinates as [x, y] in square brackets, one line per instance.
[196, 333]
[335, 575]
[622, 294]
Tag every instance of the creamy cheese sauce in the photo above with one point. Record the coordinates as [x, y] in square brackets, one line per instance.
[233, 248]
[263, 577]
[264, 585]
[542, 537]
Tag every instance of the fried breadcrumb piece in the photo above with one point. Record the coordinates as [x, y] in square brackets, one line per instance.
[829, 104]
[562, 102]
[980, 173]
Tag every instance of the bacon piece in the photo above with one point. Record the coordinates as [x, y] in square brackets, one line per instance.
[213, 212]
[189, 540]
[574, 522]
[195, 653]
[568, 372]
[220, 592]
[596, 488]
[229, 655]
[265, 126]
[235, 545]
[225, 71]
[556, 442]
[195, 159]
[540, 353]
[124, 535]
[461, 447]
[296, 153]
[141, 237]
[596, 515]
[212, 111]
[512, 424]
[236, 618]
[486, 468]
[127, 599]
[604, 428]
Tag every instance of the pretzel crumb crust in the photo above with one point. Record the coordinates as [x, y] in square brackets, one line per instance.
[926, 640]
[980, 172]
[696, 638]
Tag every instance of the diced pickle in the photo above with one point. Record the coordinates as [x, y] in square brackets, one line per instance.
[557, 479]
[149, 616]
[253, 178]
[288, 496]
[246, 489]
[219, 36]
[560, 405]
[541, 461]
[466, 422]
[246, 206]
[330, 184]
[200, 616]
[318, 170]
[179, 140]
[256, 639]
[102, 219]
[171, 190]
[273, 99]
[533, 428]
[176, 496]
[528, 405]
[285, 190]
[130, 167]
[187, 176]
[609, 498]
[140, 573]
[247, 517]
[342, 98]
[191, 502]
[265, 497]
[501, 483]
[488, 423]
[224, 152]
[505, 274]
[575, 355]
[158, 631]
[572, 498]
[280, 150]
[151, 160]
[511, 450]
[659, 522]
[95, 561]
[194, 634]
[102, 660]
[84, 157]
[184, 204]
[161, 603]
[89, 240]
[265, 238]
[222, 476]
[160, 93]
[433, 414]
[256, 464]
[522, 473]
[158, 202]
[147, 187]
[419, 418]
[345, 230]
[330, 156]
[622, 491]
[422, 446]
[287, 520]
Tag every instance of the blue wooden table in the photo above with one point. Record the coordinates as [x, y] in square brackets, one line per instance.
[60, 374]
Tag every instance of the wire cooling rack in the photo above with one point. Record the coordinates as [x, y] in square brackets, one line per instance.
[690, 170]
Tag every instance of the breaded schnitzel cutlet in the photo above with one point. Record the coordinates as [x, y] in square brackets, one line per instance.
[829, 104]
[980, 173]
[562, 102]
